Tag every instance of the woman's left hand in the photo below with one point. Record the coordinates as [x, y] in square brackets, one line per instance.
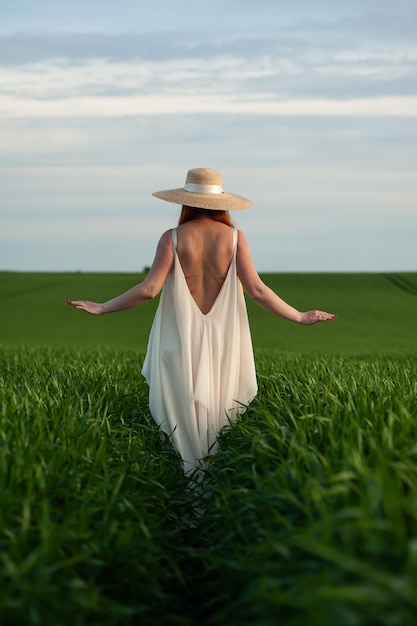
[93, 308]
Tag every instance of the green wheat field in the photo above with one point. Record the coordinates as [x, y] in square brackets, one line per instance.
[306, 516]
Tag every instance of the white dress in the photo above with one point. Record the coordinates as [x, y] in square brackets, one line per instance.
[199, 367]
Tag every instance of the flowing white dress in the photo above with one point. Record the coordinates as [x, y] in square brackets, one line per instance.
[199, 367]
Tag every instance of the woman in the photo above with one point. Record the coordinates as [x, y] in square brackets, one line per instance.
[199, 363]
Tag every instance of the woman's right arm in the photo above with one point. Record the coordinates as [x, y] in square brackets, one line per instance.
[264, 296]
[144, 291]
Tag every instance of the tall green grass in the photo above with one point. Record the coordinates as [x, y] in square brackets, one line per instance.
[316, 495]
[307, 514]
[90, 495]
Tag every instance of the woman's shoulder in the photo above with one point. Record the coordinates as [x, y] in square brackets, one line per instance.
[167, 235]
[165, 239]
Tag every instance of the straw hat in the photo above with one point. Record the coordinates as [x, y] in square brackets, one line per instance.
[203, 189]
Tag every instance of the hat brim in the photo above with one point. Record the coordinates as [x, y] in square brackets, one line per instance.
[216, 202]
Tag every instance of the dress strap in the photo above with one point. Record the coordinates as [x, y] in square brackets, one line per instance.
[234, 237]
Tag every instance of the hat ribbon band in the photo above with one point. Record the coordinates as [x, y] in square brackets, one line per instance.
[210, 189]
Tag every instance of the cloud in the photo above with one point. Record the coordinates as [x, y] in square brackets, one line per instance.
[345, 82]
[161, 105]
[305, 69]
[307, 108]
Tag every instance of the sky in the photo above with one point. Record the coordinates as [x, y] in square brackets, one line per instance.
[308, 108]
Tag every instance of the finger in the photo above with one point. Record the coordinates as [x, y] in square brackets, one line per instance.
[77, 304]
[325, 317]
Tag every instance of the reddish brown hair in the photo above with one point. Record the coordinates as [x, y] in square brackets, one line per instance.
[189, 213]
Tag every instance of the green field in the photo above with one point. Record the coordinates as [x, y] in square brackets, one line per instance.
[376, 312]
[306, 516]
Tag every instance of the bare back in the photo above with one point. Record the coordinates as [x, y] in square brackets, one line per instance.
[205, 250]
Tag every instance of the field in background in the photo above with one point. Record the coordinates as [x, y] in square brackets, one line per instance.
[376, 312]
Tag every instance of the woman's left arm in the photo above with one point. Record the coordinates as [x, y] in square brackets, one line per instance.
[144, 291]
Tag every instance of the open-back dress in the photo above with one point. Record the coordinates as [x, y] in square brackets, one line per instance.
[199, 367]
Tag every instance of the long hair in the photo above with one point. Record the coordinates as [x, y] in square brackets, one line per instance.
[189, 213]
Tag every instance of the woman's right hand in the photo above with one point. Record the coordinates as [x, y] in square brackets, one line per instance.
[312, 317]
[93, 308]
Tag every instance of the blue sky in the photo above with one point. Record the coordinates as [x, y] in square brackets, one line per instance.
[308, 108]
